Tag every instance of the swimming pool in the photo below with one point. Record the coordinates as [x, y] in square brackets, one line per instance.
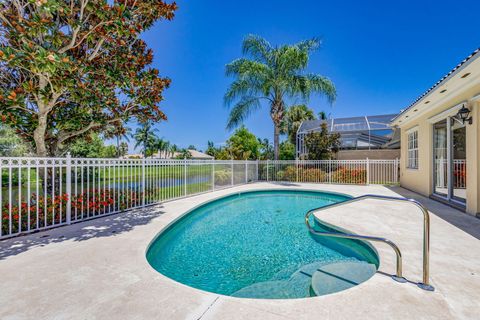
[255, 245]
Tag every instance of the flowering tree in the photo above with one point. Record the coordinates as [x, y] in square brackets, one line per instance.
[70, 67]
[322, 145]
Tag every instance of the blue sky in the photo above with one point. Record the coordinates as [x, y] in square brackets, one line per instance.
[380, 54]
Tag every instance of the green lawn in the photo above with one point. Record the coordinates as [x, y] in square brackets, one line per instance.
[174, 172]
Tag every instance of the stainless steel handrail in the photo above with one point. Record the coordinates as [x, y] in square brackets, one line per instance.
[426, 234]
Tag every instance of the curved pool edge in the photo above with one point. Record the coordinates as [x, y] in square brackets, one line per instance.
[338, 229]
[203, 203]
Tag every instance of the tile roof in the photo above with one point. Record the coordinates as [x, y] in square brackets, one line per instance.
[439, 82]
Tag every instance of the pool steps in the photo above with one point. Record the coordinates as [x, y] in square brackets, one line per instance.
[340, 276]
[318, 278]
[425, 284]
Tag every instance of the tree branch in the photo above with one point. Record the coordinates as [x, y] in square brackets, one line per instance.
[72, 42]
[95, 51]
[63, 136]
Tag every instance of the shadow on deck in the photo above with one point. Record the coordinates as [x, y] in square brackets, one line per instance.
[459, 219]
[106, 226]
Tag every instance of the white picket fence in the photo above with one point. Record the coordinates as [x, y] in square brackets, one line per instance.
[40, 193]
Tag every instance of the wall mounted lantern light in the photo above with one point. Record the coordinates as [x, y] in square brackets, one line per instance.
[464, 115]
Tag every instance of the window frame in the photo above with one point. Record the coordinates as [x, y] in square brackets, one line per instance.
[412, 149]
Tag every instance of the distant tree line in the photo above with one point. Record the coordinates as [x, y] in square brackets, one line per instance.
[151, 145]
[244, 145]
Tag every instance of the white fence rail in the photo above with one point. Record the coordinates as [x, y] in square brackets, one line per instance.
[40, 193]
[331, 171]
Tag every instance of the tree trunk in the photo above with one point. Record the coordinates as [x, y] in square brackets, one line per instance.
[276, 113]
[118, 146]
[276, 141]
[40, 131]
[39, 136]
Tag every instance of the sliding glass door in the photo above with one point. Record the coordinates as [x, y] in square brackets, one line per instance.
[459, 159]
[440, 158]
[449, 160]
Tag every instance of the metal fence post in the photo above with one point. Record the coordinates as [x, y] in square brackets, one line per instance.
[213, 175]
[329, 171]
[397, 170]
[267, 169]
[296, 166]
[368, 171]
[256, 176]
[185, 176]
[143, 182]
[231, 168]
[246, 171]
[68, 188]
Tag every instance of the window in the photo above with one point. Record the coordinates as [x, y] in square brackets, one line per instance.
[412, 155]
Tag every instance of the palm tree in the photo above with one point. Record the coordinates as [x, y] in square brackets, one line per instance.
[173, 149]
[272, 74]
[211, 149]
[184, 154]
[145, 138]
[166, 149]
[322, 115]
[120, 132]
[266, 150]
[161, 146]
[294, 117]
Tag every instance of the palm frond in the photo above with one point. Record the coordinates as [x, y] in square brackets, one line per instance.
[323, 86]
[242, 87]
[246, 68]
[309, 45]
[306, 85]
[256, 46]
[292, 59]
[246, 106]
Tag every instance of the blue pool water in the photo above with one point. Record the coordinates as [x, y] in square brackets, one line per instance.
[254, 245]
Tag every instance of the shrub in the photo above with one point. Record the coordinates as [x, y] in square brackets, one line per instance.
[50, 211]
[305, 175]
[223, 177]
[344, 175]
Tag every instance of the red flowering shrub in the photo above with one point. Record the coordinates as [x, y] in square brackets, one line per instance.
[345, 175]
[43, 211]
[304, 175]
[93, 202]
[37, 213]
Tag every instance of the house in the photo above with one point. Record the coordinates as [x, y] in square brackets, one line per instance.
[132, 156]
[440, 139]
[360, 137]
[196, 155]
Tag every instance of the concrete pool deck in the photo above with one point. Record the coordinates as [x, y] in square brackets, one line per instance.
[97, 269]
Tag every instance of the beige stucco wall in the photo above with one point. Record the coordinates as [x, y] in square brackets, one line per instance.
[420, 180]
[377, 154]
[473, 161]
